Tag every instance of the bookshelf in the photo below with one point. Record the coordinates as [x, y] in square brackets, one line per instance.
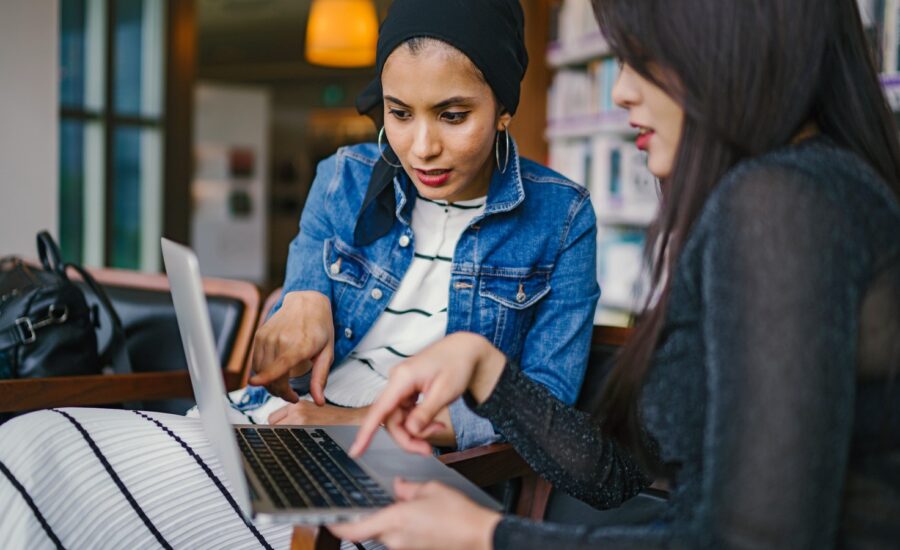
[583, 49]
[606, 122]
[590, 141]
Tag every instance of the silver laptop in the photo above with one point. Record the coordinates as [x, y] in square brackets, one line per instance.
[288, 474]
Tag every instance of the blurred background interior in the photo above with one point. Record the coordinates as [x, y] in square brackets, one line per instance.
[202, 120]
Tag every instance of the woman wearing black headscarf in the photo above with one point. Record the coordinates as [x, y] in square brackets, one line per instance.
[440, 227]
[457, 231]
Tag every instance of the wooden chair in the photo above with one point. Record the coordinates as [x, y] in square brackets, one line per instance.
[493, 464]
[143, 301]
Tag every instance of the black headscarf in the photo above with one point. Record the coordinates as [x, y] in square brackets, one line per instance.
[491, 33]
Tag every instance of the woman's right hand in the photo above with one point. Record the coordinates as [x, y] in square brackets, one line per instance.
[440, 374]
[299, 336]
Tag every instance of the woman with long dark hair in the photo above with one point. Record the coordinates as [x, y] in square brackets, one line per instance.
[760, 383]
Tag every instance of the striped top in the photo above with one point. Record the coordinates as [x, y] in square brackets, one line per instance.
[417, 314]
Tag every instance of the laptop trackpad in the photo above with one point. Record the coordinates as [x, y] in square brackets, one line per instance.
[389, 465]
[385, 461]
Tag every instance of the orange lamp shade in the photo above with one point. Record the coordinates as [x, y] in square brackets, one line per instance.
[342, 33]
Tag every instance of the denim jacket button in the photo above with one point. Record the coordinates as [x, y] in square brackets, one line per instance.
[376, 294]
[404, 241]
[521, 297]
[348, 333]
[335, 268]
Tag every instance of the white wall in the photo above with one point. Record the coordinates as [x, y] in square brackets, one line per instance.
[29, 140]
[228, 244]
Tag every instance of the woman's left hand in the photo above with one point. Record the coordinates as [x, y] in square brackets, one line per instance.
[307, 413]
[426, 515]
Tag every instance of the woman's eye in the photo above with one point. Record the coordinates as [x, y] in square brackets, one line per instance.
[455, 117]
[401, 115]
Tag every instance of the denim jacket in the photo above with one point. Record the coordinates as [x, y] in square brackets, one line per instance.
[523, 274]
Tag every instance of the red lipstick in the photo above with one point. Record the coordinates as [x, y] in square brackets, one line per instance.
[643, 141]
[644, 134]
[433, 178]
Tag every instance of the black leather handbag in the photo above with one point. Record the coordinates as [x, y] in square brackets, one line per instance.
[46, 325]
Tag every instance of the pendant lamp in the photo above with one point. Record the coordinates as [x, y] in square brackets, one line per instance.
[342, 33]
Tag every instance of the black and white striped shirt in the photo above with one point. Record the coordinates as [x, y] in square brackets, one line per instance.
[417, 314]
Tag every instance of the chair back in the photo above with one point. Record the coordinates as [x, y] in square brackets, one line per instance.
[556, 506]
[144, 303]
[605, 344]
[160, 380]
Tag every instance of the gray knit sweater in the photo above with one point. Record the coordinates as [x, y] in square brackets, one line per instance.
[770, 395]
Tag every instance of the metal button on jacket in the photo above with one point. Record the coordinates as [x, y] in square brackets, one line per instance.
[404, 241]
[348, 333]
[376, 294]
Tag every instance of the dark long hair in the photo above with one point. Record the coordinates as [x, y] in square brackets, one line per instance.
[749, 75]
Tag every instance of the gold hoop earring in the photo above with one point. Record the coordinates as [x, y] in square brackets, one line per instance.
[497, 151]
[381, 137]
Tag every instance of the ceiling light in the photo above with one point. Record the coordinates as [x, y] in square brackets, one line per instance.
[342, 33]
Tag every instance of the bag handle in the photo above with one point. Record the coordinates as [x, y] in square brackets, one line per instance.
[117, 354]
[51, 258]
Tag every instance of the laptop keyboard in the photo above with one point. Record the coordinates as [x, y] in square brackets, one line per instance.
[305, 468]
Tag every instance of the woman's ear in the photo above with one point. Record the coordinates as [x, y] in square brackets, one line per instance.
[504, 121]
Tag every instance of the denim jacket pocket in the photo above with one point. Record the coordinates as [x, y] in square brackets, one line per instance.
[508, 297]
[515, 291]
[342, 265]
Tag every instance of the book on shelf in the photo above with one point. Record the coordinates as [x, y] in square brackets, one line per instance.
[623, 190]
[576, 20]
[889, 34]
[867, 11]
[881, 21]
[576, 93]
[619, 268]
[572, 158]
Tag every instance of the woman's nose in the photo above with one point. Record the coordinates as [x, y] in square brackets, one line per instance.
[426, 144]
[624, 93]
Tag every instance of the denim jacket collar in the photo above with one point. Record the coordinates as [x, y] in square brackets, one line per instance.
[505, 192]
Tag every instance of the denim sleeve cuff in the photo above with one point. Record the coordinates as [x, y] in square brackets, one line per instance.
[471, 430]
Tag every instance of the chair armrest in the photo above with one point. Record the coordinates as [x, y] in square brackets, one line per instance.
[488, 465]
[62, 391]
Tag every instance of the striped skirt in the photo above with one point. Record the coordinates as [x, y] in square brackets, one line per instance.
[100, 478]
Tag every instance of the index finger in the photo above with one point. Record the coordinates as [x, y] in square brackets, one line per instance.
[278, 368]
[396, 391]
[281, 387]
